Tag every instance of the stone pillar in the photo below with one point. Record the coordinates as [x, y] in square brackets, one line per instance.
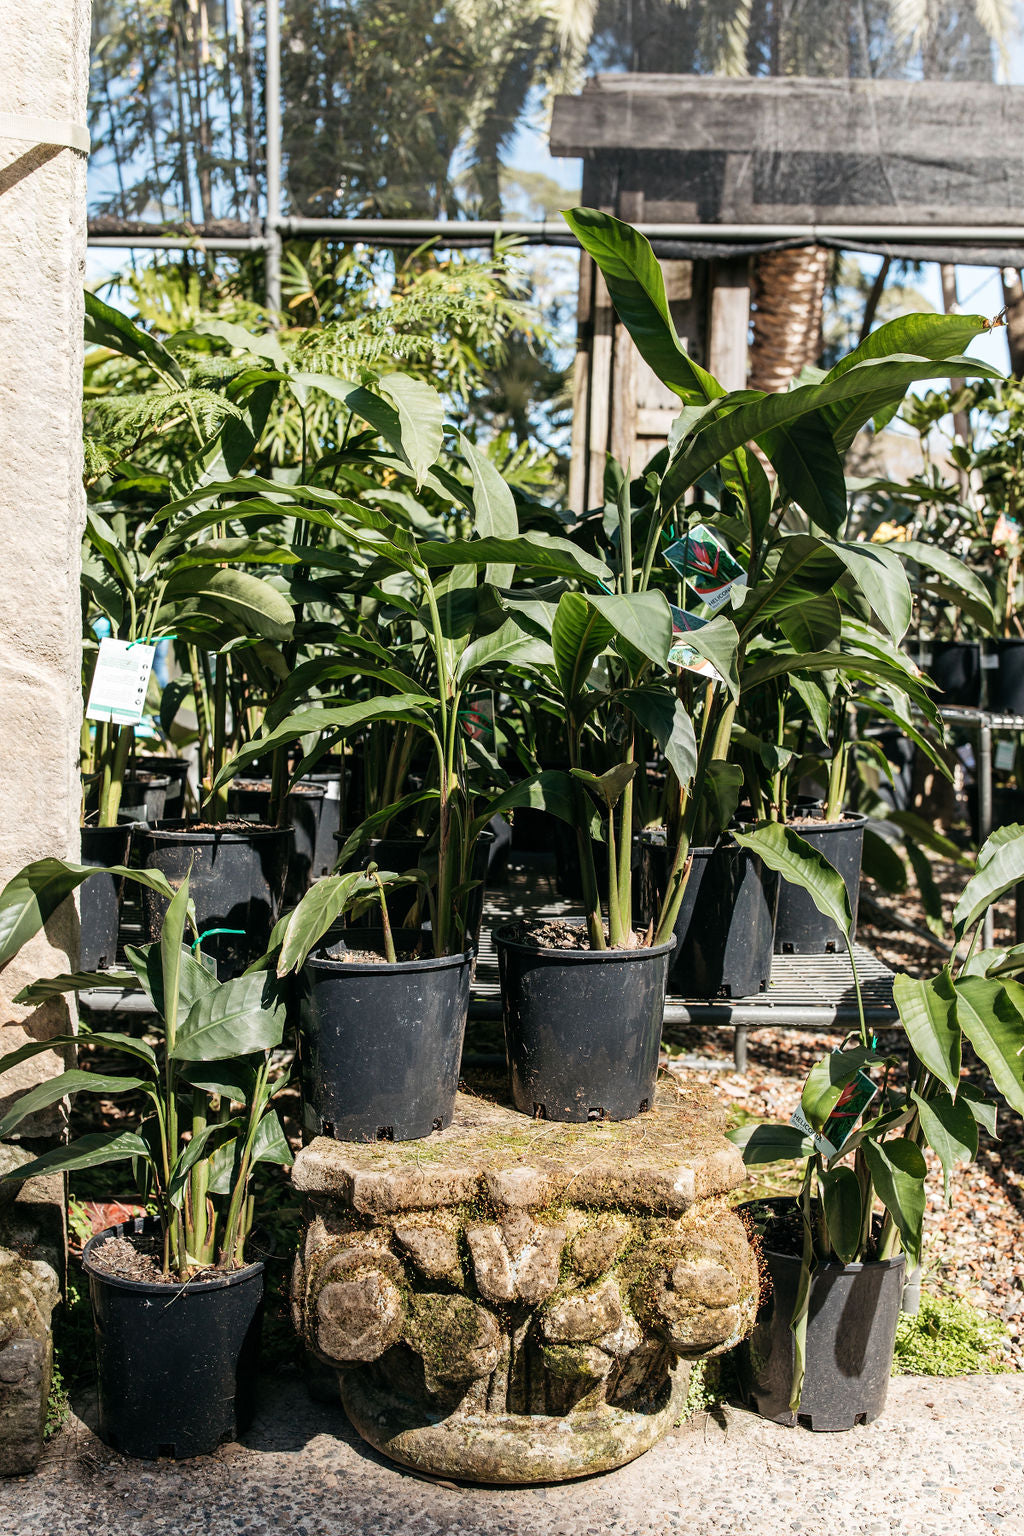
[44, 68]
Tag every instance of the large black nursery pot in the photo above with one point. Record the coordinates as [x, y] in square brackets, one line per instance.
[237, 882]
[582, 1027]
[851, 1333]
[725, 928]
[100, 896]
[176, 770]
[1006, 680]
[381, 1044]
[955, 669]
[304, 805]
[144, 796]
[800, 929]
[329, 820]
[176, 1365]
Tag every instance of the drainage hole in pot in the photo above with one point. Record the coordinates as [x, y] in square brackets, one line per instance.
[830, 947]
[595, 1114]
[438, 1125]
[385, 1133]
[539, 1112]
[787, 947]
[327, 1127]
[644, 1106]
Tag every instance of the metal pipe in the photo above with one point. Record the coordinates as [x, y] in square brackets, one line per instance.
[272, 104]
[180, 242]
[546, 229]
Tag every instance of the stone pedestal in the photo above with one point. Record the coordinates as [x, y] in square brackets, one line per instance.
[516, 1301]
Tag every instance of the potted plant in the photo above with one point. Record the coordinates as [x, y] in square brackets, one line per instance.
[177, 1300]
[822, 1347]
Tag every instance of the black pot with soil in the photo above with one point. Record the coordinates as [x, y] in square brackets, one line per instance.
[381, 1043]
[800, 929]
[725, 928]
[249, 799]
[582, 1026]
[237, 881]
[176, 1364]
[955, 669]
[144, 796]
[851, 1331]
[100, 896]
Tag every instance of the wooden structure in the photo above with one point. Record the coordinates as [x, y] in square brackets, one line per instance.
[749, 159]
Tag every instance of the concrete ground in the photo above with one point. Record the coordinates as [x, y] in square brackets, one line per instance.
[946, 1460]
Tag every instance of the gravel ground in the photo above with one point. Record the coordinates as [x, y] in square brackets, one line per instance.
[946, 1460]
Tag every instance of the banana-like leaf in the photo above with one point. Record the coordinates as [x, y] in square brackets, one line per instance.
[642, 619]
[172, 936]
[796, 860]
[64, 1084]
[660, 712]
[991, 1015]
[406, 707]
[87, 1152]
[321, 906]
[510, 644]
[1008, 833]
[844, 1216]
[420, 419]
[980, 1105]
[951, 1131]
[106, 326]
[579, 634]
[231, 1080]
[250, 602]
[771, 1143]
[543, 553]
[372, 824]
[201, 1146]
[33, 895]
[898, 1171]
[270, 1144]
[56, 986]
[882, 581]
[810, 469]
[610, 785]
[997, 872]
[973, 598]
[928, 1013]
[551, 790]
[494, 507]
[236, 1019]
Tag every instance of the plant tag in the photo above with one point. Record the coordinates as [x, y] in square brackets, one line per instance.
[706, 565]
[333, 790]
[989, 662]
[1004, 755]
[842, 1122]
[120, 681]
[683, 655]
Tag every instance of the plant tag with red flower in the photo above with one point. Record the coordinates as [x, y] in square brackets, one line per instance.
[120, 681]
[683, 655]
[706, 565]
[842, 1122]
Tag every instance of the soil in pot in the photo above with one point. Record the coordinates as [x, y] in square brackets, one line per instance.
[176, 1364]
[851, 1331]
[582, 1026]
[100, 896]
[800, 929]
[381, 1043]
[725, 929]
[237, 880]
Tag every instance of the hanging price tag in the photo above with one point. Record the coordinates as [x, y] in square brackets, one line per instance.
[842, 1122]
[120, 682]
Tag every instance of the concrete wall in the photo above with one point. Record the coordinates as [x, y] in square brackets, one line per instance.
[44, 59]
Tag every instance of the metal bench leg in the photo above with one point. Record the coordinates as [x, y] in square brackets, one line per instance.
[739, 1048]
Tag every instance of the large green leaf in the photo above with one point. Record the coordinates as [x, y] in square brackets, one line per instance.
[543, 553]
[172, 937]
[255, 607]
[973, 598]
[106, 326]
[991, 1015]
[420, 420]
[660, 712]
[928, 1013]
[579, 634]
[321, 906]
[793, 857]
[551, 790]
[950, 1129]
[882, 580]
[898, 1170]
[270, 1145]
[637, 290]
[810, 469]
[494, 506]
[771, 1143]
[77, 981]
[843, 1207]
[510, 645]
[642, 619]
[406, 707]
[62, 1086]
[201, 1146]
[997, 873]
[829, 1076]
[237, 1018]
[87, 1152]
[32, 896]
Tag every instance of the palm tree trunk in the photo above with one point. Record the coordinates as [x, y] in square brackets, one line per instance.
[788, 296]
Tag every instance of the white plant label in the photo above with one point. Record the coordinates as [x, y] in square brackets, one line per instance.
[120, 682]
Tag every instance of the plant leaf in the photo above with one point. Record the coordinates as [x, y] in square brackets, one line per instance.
[796, 860]
[65, 1083]
[928, 1013]
[494, 507]
[87, 1152]
[991, 1015]
[239, 1017]
[997, 872]
[898, 1170]
[771, 1143]
[32, 896]
[420, 420]
[322, 905]
[951, 1131]
[844, 1216]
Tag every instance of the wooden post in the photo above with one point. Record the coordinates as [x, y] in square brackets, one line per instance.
[729, 321]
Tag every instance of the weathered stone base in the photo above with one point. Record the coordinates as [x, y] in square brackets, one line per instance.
[517, 1302]
[511, 1448]
[31, 1220]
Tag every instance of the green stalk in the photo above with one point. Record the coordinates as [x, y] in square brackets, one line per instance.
[113, 776]
[385, 921]
[616, 937]
[239, 1193]
[202, 699]
[624, 893]
[219, 799]
[198, 1184]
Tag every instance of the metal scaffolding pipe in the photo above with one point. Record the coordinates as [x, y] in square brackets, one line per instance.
[179, 242]
[548, 229]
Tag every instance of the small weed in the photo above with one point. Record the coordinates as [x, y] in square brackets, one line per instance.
[948, 1337]
[58, 1405]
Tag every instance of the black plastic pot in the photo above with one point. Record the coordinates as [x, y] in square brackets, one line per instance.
[851, 1334]
[250, 799]
[381, 1044]
[176, 769]
[176, 1365]
[800, 929]
[955, 669]
[144, 797]
[100, 896]
[237, 881]
[725, 930]
[1006, 681]
[325, 847]
[582, 1027]
[397, 854]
